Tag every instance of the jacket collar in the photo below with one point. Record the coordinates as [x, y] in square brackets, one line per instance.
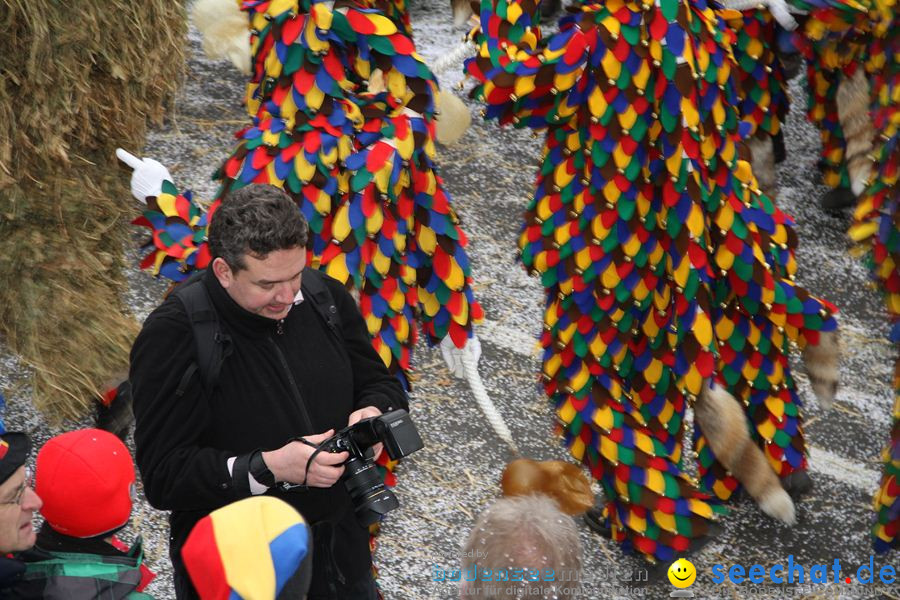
[50, 540]
[238, 319]
[11, 570]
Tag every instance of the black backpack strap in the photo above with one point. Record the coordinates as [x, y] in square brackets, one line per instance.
[315, 290]
[212, 344]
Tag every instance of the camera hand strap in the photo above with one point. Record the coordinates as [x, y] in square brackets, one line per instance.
[291, 486]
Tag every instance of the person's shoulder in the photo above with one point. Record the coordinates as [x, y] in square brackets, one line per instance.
[166, 335]
[346, 301]
[170, 315]
[332, 283]
[337, 289]
[11, 570]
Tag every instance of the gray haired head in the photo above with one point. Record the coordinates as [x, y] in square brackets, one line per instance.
[256, 219]
[527, 533]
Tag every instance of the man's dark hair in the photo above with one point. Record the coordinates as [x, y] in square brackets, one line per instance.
[256, 219]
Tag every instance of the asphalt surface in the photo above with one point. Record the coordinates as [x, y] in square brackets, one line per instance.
[443, 487]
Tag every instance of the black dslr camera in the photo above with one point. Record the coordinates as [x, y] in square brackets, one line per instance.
[371, 499]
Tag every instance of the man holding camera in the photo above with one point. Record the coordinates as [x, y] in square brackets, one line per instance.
[284, 368]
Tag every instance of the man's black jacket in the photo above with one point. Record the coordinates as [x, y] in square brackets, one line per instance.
[183, 443]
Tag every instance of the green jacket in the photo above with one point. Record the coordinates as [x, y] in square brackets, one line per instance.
[81, 576]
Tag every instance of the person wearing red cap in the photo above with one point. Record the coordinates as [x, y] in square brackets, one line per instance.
[86, 480]
[18, 501]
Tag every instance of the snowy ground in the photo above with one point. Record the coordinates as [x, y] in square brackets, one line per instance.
[443, 487]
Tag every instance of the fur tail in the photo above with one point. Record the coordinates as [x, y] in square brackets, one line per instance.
[722, 420]
[453, 120]
[225, 31]
[853, 100]
[763, 152]
[462, 10]
[822, 366]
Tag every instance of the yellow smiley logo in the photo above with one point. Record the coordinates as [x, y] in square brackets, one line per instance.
[682, 573]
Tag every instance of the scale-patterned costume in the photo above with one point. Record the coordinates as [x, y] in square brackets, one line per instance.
[886, 531]
[758, 74]
[822, 112]
[877, 216]
[835, 44]
[884, 195]
[343, 120]
[663, 264]
[759, 80]
[839, 38]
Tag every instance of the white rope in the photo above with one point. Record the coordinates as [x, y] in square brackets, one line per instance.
[485, 404]
[453, 58]
[450, 60]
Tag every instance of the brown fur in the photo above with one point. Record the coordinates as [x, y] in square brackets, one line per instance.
[763, 162]
[454, 119]
[462, 10]
[562, 481]
[853, 113]
[722, 419]
[822, 366]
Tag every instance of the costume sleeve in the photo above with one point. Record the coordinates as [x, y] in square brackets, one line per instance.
[343, 112]
[177, 471]
[533, 83]
[417, 248]
[373, 385]
[876, 229]
[177, 224]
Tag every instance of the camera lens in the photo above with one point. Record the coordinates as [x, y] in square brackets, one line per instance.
[371, 499]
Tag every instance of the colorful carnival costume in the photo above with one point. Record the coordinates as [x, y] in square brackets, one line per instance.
[875, 26]
[837, 43]
[760, 84]
[877, 226]
[880, 221]
[343, 120]
[664, 265]
[857, 44]
[886, 531]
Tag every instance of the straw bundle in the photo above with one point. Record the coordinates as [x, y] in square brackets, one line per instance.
[76, 80]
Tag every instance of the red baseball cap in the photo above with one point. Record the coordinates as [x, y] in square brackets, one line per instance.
[86, 480]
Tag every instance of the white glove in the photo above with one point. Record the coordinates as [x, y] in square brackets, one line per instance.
[148, 175]
[453, 356]
[779, 9]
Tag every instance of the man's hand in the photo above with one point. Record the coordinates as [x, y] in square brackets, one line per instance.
[288, 463]
[148, 175]
[364, 413]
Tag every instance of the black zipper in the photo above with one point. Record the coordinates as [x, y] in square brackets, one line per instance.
[294, 388]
